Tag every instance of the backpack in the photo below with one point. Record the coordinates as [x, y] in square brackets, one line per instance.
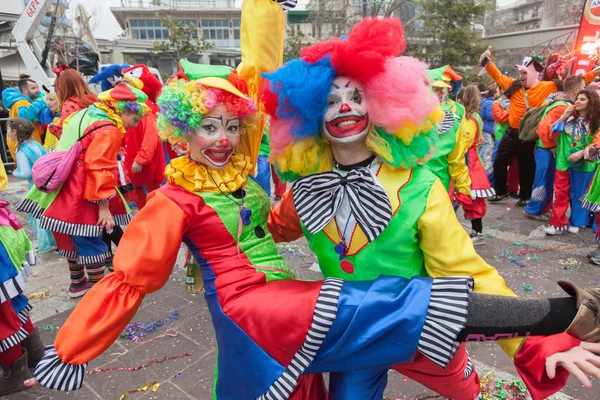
[50, 171]
[529, 124]
[532, 118]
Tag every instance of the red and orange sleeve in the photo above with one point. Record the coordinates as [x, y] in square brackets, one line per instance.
[100, 163]
[150, 142]
[143, 263]
[500, 115]
[544, 130]
[284, 224]
[530, 362]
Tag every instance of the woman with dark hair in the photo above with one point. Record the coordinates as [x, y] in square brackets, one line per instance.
[73, 95]
[574, 131]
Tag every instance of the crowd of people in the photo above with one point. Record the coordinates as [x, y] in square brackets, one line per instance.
[536, 143]
[378, 150]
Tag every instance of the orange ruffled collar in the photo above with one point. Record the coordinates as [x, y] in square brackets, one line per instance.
[194, 177]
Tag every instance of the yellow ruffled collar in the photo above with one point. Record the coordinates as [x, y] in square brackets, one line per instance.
[196, 177]
[112, 115]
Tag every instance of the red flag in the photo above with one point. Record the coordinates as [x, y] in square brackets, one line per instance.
[589, 32]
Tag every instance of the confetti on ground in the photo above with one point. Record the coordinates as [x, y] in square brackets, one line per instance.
[290, 249]
[137, 330]
[492, 389]
[44, 294]
[154, 386]
[517, 243]
[131, 369]
[527, 287]
[569, 263]
[50, 328]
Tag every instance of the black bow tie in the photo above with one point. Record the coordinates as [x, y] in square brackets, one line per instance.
[318, 197]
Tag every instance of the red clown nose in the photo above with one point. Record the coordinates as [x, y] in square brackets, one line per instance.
[345, 108]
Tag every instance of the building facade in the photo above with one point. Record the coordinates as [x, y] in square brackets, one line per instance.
[532, 27]
[217, 21]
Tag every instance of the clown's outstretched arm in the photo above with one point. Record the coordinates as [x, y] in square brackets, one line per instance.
[142, 264]
[261, 43]
[457, 166]
[449, 251]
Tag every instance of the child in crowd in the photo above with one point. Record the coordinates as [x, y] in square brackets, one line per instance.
[480, 185]
[28, 152]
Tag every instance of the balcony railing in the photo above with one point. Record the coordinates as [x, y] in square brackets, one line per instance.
[184, 4]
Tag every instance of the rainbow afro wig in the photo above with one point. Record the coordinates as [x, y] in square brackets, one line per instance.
[193, 92]
[403, 111]
[125, 99]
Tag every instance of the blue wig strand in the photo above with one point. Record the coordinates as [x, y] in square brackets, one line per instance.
[302, 89]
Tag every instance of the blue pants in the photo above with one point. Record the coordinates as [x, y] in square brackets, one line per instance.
[358, 385]
[580, 181]
[491, 173]
[543, 185]
[263, 174]
[486, 151]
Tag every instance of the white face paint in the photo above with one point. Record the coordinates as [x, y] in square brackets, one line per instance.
[346, 117]
[216, 138]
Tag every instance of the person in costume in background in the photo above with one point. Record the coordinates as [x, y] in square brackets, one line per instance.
[448, 159]
[480, 186]
[73, 95]
[50, 115]
[144, 158]
[500, 113]
[574, 131]
[19, 100]
[360, 197]
[28, 152]
[525, 93]
[488, 96]
[545, 154]
[556, 65]
[88, 201]
[109, 76]
[20, 345]
[220, 214]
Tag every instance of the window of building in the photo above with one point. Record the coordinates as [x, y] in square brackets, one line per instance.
[215, 29]
[236, 28]
[152, 29]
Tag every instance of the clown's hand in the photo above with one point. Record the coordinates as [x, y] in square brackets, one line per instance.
[578, 361]
[589, 152]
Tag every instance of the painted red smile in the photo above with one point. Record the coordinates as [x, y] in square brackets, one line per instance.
[347, 126]
[217, 156]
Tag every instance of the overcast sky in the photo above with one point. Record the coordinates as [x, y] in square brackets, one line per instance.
[108, 27]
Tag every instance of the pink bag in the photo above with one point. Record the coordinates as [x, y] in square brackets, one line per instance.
[50, 171]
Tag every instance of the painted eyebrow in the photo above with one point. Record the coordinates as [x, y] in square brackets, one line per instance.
[335, 86]
[218, 119]
[347, 84]
[233, 120]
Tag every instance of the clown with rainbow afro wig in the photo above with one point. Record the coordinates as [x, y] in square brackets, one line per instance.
[352, 123]
[399, 119]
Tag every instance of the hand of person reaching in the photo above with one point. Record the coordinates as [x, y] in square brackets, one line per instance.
[136, 167]
[579, 361]
[105, 219]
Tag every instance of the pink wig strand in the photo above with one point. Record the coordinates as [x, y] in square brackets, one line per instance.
[399, 95]
[280, 134]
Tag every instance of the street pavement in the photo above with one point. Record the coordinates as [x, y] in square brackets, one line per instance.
[530, 262]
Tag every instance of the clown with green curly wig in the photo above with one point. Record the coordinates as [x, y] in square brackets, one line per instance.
[352, 123]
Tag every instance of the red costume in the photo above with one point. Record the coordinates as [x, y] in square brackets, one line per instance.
[142, 143]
